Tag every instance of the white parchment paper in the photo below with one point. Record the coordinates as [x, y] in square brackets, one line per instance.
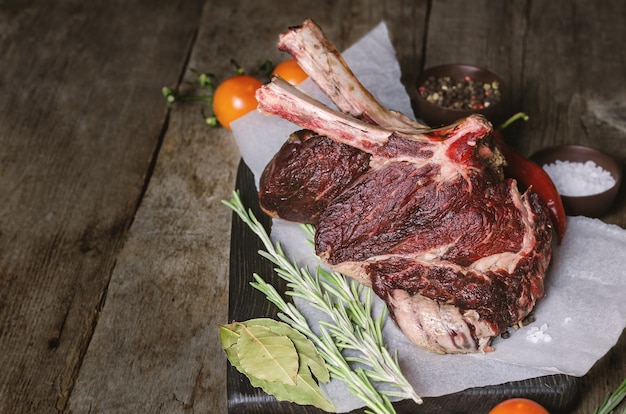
[579, 320]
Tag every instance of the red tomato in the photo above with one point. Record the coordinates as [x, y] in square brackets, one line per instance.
[290, 71]
[518, 406]
[235, 97]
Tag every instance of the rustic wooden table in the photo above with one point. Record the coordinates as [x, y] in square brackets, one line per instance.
[114, 246]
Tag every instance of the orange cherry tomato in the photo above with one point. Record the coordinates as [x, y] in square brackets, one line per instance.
[518, 406]
[234, 98]
[290, 71]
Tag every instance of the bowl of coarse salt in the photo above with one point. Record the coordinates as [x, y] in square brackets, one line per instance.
[587, 179]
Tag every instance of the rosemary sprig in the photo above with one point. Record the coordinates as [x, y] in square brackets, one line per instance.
[351, 326]
[355, 328]
[612, 400]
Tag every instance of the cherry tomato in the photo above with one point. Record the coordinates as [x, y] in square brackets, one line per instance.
[290, 71]
[235, 97]
[518, 406]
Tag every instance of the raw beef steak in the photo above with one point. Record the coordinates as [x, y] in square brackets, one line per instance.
[453, 248]
[306, 174]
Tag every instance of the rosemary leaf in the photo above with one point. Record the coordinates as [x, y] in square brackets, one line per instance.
[612, 400]
[351, 326]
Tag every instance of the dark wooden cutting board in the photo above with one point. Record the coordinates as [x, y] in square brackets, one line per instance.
[558, 393]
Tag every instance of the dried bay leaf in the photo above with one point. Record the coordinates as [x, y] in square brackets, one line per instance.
[228, 338]
[306, 390]
[309, 357]
[267, 356]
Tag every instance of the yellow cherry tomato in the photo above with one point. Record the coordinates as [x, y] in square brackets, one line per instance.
[234, 98]
[518, 406]
[290, 71]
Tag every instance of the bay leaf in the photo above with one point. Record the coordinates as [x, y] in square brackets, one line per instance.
[229, 335]
[267, 356]
[307, 352]
[306, 390]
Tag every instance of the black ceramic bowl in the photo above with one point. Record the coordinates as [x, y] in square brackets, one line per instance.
[436, 115]
[590, 205]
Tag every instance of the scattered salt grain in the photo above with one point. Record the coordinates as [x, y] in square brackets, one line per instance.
[579, 178]
[536, 335]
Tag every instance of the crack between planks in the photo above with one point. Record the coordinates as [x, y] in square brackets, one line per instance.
[165, 127]
[66, 386]
[64, 395]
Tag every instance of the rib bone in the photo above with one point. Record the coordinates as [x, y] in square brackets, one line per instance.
[457, 142]
[321, 60]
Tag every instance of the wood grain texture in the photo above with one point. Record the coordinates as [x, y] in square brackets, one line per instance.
[157, 337]
[114, 244]
[80, 122]
[573, 95]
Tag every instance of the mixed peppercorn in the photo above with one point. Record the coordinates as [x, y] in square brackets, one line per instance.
[464, 94]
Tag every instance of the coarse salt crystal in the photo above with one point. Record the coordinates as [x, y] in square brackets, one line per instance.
[579, 178]
[536, 335]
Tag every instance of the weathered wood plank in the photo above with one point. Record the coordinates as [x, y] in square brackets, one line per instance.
[574, 93]
[80, 120]
[573, 88]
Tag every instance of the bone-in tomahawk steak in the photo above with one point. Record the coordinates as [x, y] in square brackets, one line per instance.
[422, 216]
